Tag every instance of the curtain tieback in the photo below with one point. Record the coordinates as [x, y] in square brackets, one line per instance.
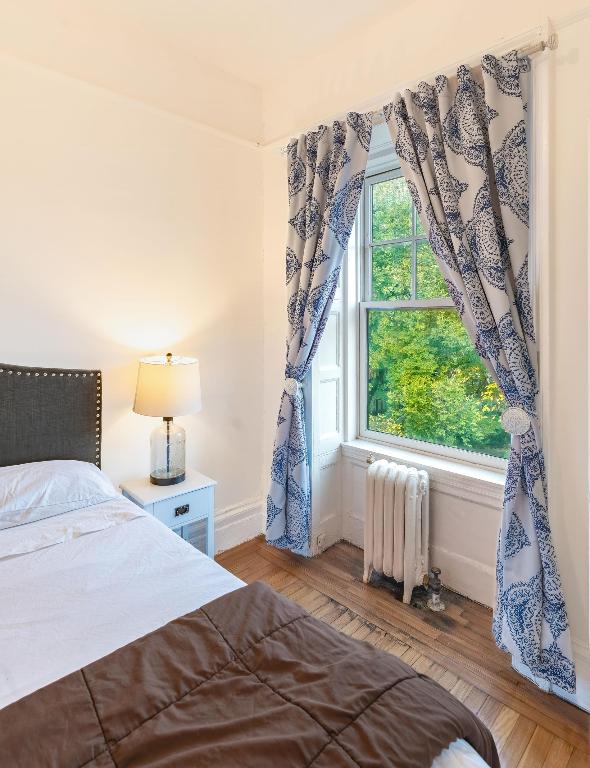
[292, 387]
[516, 420]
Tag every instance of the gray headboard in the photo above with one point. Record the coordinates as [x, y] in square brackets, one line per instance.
[49, 413]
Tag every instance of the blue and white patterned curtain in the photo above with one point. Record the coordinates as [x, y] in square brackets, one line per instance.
[462, 145]
[326, 175]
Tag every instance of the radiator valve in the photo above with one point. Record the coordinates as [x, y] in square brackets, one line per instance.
[435, 584]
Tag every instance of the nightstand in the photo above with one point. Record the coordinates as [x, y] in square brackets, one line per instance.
[187, 508]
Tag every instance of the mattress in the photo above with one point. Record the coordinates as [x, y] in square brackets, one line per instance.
[79, 586]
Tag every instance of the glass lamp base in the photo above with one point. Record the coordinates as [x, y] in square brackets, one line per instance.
[165, 478]
[167, 453]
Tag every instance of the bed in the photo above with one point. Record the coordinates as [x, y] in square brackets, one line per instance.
[105, 586]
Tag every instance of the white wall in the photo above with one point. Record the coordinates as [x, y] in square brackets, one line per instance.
[109, 44]
[355, 73]
[274, 305]
[414, 40]
[568, 290]
[125, 230]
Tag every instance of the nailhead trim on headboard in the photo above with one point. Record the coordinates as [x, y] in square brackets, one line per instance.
[98, 419]
[77, 435]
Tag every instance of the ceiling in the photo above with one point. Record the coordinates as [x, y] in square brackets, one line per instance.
[253, 40]
[206, 60]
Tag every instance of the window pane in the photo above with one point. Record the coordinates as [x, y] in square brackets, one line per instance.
[391, 276]
[427, 382]
[430, 283]
[391, 207]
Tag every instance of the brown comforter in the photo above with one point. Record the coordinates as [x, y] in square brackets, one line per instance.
[248, 680]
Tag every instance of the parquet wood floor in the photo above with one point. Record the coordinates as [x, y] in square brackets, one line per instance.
[532, 729]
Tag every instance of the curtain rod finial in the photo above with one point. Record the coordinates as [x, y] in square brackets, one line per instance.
[552, 41]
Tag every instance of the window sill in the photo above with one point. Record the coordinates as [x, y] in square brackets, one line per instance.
[450, 476]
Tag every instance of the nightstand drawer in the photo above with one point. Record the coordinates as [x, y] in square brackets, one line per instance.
[184, 508]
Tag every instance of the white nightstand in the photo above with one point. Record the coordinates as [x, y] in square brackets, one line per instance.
[187, 508]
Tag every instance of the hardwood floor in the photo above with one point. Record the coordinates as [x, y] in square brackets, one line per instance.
[532, 729]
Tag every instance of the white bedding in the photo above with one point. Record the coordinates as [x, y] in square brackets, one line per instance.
[66, 605]
[76, 587]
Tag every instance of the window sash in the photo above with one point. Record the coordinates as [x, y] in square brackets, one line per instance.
[398, 241]
[442, 303]
[369, 244]
[408, 443]
[367, 303]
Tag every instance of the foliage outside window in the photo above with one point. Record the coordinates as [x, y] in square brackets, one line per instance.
[424, 379]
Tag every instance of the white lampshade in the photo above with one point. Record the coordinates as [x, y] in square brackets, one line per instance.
[168, 385]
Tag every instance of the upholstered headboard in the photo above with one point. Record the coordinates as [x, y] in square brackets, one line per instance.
[49, 413]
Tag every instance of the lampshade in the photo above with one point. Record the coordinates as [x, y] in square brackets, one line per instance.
[168, 385]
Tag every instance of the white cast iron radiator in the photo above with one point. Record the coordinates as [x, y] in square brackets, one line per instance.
[396, 524]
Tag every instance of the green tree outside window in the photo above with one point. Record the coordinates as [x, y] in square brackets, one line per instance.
[425, 380]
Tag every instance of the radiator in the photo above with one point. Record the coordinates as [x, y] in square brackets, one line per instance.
[396, 524]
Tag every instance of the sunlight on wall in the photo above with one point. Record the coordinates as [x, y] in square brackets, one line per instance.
[146, 333]
[110, 222]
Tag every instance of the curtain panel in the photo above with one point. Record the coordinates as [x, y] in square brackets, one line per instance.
[325, 179]
[462, 145]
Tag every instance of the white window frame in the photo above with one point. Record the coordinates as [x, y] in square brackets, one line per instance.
[365, 303]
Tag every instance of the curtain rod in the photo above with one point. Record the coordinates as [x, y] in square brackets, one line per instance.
[528, 49]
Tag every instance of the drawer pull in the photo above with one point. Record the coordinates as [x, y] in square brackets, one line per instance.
[182, 510]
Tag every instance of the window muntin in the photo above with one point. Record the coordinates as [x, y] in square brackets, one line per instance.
[421, 381]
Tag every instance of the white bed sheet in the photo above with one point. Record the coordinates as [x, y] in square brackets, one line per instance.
[76, 587]
[64, 606]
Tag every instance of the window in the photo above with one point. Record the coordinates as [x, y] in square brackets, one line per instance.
[422, 383]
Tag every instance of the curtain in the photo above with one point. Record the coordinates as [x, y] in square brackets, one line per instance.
[325, 179]
[462, 144]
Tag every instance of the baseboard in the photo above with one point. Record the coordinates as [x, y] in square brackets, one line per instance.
[582, 660]
[238, 523]
[460, 573]
[581, 698]
[353, 531]
[466, 576]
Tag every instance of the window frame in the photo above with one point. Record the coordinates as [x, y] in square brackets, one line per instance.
[366, 303]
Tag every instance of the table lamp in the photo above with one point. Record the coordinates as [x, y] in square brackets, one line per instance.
[167, 386]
